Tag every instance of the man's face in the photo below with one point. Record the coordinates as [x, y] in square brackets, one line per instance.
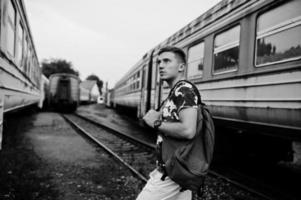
[169, 65]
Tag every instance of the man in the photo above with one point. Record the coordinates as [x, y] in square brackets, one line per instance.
[177, 119]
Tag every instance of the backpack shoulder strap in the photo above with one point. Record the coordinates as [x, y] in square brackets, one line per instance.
[173, 88]
[197, 92]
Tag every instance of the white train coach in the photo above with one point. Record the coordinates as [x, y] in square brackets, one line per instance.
[20, 74]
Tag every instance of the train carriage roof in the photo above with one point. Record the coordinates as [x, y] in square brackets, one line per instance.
[221, 9]
[132, 70]
[218, 11]
[63, 74]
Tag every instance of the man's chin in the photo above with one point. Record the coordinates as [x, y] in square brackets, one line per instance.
[164, 78]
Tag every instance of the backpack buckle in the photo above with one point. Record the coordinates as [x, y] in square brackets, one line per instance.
[163, 177]
[162, 169]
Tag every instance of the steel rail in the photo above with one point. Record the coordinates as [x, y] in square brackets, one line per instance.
[118, 132]
[107, 149]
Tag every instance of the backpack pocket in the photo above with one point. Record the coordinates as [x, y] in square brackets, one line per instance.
[182, 175]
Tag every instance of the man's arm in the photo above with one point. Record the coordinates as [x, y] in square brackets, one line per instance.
[185, 128]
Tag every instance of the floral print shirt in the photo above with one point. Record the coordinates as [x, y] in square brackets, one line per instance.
[182, 96]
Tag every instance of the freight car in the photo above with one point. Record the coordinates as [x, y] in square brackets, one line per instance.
[20, 74]
[64, 92]
[245, 58]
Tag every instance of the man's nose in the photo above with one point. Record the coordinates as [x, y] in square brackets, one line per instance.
[161, 65]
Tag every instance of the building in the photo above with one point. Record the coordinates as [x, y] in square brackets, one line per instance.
[89, 91]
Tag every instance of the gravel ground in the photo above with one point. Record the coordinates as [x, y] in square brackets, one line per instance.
[43, 158]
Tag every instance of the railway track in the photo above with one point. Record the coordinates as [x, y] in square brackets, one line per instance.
[134, 154]
[137, 155]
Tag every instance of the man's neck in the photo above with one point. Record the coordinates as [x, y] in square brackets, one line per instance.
[172, 82]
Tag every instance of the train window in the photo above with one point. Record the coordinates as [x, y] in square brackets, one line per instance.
[19, 49]
[278, 34]
[195, 62]
[154, 72]
[226, 50]
[142, 77]
[10, 28]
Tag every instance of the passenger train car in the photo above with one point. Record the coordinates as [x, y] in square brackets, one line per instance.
[245, 58]
[64, 92]
[20, 74]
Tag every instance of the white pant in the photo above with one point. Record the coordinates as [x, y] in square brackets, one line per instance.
[156, 189]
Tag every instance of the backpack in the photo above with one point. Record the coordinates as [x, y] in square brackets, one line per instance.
[190, 162]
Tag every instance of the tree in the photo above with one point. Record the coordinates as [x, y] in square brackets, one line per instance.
[99, 82]
[57, 65]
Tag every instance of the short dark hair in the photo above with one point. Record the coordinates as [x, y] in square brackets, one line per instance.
[177, 51]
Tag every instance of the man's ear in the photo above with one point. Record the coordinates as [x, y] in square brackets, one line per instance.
[181, 67]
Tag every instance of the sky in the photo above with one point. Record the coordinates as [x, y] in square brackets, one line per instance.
[106, 38]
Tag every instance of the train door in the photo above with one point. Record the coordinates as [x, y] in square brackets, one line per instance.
[1, 117]
[149, 83]
[142, 110]
[157, 85]
[64, 90]
[146, 87]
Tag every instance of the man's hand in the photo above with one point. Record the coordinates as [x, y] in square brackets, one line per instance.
[151, 116]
